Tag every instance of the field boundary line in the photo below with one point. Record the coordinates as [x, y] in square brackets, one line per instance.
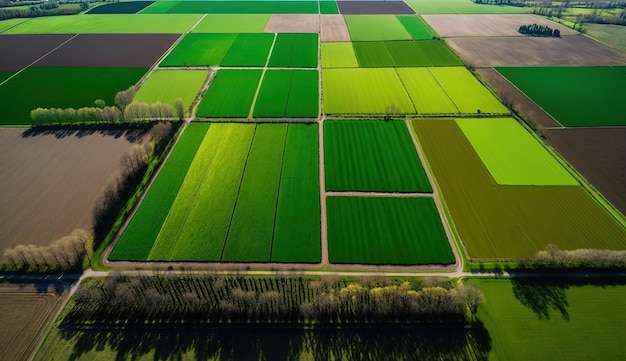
[288, 94]
[325, 261]
[378, 194]
[406, 91]
[280, 181]
[196, 102]
[258, 88]
[193, 27]
[444, 91]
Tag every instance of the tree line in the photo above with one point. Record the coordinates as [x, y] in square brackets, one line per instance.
[539, 30]
[555, 258]
[48, 8]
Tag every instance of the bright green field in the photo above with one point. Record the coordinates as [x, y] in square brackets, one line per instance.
[288, 93]
[295, 50]
[427, 95]
[107, 24]
[379, 54]
[461, 7]
[553, 320]
[338, 55]
[400, 231]
[558, 91]
[136, 242]
[249, 50]
[376, 28]
[9, 23]
[350, 91]
[166, 86]
[372, 155]
[231, 23]
[200, 50]
[416, 27]
[512, 155]
[230, 94]
[61, 88]
[235, 7]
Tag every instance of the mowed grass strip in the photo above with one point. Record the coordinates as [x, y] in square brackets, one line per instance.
[416, 27]
[251, 230]
[142, 230]
[394, 231]
[372, 155]
[376, 28]
[200, 50]
[249, 50]
[373, 54]
[338, 55]
[288, 93]
[297, 227]
[427, 95]
[230, 94]
[512, 155]
[297, 50]
[166, 86]
[232, 23]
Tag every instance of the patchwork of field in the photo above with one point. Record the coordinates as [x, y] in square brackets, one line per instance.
[257, 184]
[386, 27]
[232, 23]
[166, 86]
[26, 49]
[488, 25]
[237, 7]
[294, 51]
[293, 23]
[231, 94]
[386, 54]
[461, 7]
[352, 7]
[495, 221]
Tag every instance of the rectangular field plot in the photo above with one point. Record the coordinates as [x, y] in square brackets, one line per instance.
[496, 221]
[427, 95]
[350, 91]
[371, 155]
[461, 7]
[557, 91]
[376, 28]
[235, 7]
[26, 49]
[338, 55]
[355, 7]
[416, 27]
[61, 88]
[388, 231]
[373, 54]
[231, 23]
[333, 28]
[249, 50]
[166, 86]
[127, 7]
[404, 54]
[200, 50]
[293, 23]
[512, 155]
[230, 94]
[328, 7]
[288, 93]
[297, 50]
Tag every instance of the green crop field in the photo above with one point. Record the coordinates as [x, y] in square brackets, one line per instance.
[373, 54]
[510, 221]
[4, 75]
[427, 95]
[512, 155]
[558, 91]
[107, 24]
[295, 50]
[375, 28]
[399, 231]
[416, 27]
[138, 237]
[230, 94]
[349, 91]
[379, 54]
[553, 319]
[231, 23]
[166, 86]
[328, 7]
[200, 50]
[372, 155]
[9, 23]
[461, 7]
[612, 35]
[288, 93]
[338, 55]
[249, 50]
[458, 82]
[235, 7]
[439, 53]
[61, 88]
[408, 53]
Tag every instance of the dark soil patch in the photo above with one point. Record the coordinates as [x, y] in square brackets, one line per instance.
[19, 51]
[373, 7]
[110, 50]
[130, 7]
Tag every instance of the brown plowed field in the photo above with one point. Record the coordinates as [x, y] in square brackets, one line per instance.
[25, 49]
[293, 23]
[110, 50]
[599, 154]
[532, 51]
[373, 7]
[333, 28]
[51, 180]
[487, 25]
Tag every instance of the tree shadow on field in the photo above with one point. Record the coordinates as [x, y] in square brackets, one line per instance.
[132, 133]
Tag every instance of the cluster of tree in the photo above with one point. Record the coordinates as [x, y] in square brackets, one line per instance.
[599, 18]
[65, 254]
[519, 3]
[49, 8]
[555, 258]
[238, 299]
[539, 30]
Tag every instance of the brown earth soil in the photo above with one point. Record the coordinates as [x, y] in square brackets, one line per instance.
[115, 50]
[487, 25]
[333, 28]
[534, 51]
[517, 100]
[599, 154]
[293, 23]
[51, 180]
[373, 7]
[25, 49]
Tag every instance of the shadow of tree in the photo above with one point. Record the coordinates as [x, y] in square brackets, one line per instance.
[133, 133]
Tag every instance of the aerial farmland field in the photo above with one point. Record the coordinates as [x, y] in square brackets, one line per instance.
[232, 23]
[231, 94]
[166, 86]
[427, 95]
[376, 28]
[197, 49]
[288, 93]
[338, 55]
[297, 50]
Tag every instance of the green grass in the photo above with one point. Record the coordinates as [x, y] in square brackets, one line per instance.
[612, 35]
[461, 7]
[166, 86]
[458, 83]
[231, 23]
[200, 50]
[328, 7]
[252, 227]
[288, 93]
[249, 50]
[372, 155]
[375, 28]
[237, 7]
[61, 88]
[139, 236]
[350, 91]
[427, 95]
[338, 55]
[230, 94]
[575, 96]
[373, 54]
[416, 27]
[401, 231]
[295, 50]
[9, 23]
[439, 53]
[107, 24]
[512, 155]
[584, 322]
[4, 75]
[297, 227]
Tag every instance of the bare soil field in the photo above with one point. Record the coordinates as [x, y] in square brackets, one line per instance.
[531, 51]
[110, 50]
[51, 180]
[373, 7]
[487, 25]
[515, 98]
[293, 23]
[333, 28]
[599, 154]
[25, 49]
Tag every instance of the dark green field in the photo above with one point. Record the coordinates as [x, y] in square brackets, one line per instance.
[385, 54]
[288, 93]
[235, 7]
[295, 50]
[249, 50]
